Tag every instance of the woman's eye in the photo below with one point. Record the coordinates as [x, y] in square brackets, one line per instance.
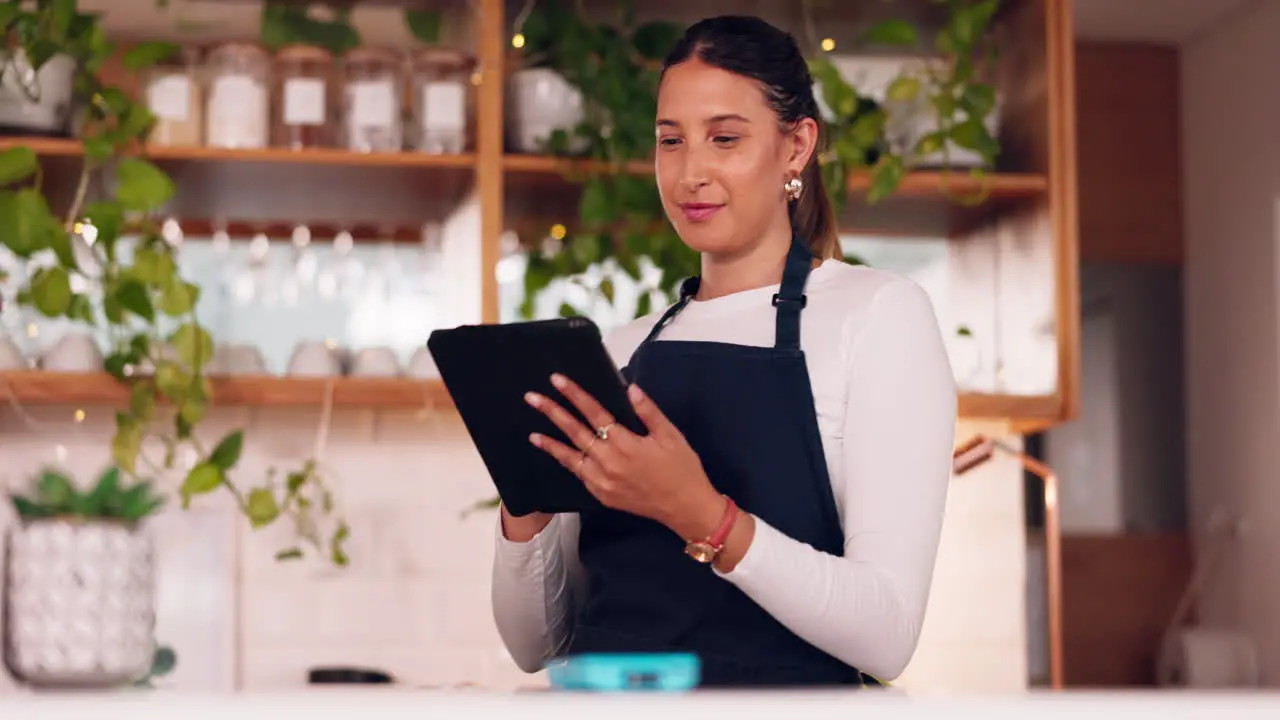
[724, 139]
[668, 142]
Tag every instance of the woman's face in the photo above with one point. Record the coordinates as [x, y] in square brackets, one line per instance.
[723, 158]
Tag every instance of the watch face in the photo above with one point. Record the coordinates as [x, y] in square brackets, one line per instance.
[700, 551]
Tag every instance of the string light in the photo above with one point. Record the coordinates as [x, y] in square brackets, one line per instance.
[828, 44]
[79, 415]
[517, 40]
[33, 330]
[558, 231]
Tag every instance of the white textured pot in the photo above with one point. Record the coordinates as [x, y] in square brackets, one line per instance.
[79, 603]
[539, 102]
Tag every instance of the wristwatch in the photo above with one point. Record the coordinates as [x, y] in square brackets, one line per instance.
[706, 551]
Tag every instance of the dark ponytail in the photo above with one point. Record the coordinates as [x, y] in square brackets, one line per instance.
[753, 48]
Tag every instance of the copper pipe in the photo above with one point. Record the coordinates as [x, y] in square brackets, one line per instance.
[976, 451]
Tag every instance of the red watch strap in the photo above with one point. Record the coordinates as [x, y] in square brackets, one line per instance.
[717, 538]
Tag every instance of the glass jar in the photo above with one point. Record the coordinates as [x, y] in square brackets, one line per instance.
[301, 101]
[176, 99]
[237, 112]
[373, 92]
[442, 100]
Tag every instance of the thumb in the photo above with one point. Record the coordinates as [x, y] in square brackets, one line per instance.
[648, 411]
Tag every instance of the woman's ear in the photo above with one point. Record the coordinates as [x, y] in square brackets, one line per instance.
[803, 144]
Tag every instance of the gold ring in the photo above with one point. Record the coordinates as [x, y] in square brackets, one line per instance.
[602, 432]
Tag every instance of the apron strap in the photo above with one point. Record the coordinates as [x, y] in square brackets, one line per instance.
[790, 298]
[788, 301]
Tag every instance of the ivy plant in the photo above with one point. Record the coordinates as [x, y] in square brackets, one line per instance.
[620, 217]
[123, 276]
[616, 67]
[950, 88]
[328, 25]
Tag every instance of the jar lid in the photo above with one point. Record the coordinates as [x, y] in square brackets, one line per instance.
[304, 53]
[237, 47]
[372, 55]
[444, 59]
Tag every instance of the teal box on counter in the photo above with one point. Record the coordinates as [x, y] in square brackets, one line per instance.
[625, 672]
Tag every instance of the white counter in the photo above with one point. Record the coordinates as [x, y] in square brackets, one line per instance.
[405, 704]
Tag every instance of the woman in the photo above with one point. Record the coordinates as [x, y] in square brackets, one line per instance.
[815, 396]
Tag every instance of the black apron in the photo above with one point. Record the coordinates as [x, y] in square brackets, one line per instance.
[749, 414]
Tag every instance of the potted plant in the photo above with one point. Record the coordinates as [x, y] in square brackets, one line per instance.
[115, 270]
[79, 597]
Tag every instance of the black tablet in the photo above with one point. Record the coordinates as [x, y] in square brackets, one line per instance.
[488, 369]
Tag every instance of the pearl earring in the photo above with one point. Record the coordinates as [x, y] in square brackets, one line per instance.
[794, 187]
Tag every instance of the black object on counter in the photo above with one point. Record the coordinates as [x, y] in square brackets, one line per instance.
[347, 676]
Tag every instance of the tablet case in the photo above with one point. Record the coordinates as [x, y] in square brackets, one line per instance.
[488, 369]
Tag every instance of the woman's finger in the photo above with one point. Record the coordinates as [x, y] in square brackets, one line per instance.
[650, 414]
[588, 406]
[571, 458]
[578, 434]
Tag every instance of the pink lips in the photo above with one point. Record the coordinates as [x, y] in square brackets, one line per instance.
[698, 212]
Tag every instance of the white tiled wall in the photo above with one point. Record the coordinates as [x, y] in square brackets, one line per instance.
[415, 599]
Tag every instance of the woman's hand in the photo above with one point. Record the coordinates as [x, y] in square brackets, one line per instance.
[657, 476]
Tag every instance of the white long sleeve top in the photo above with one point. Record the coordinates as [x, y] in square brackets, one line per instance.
[885, 399]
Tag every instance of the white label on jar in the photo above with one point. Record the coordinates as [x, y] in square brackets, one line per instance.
[169, 97]
[445, 106]
[237, 112]
[373, 103]
[304, 101]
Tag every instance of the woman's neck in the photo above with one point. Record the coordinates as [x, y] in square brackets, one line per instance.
[760, 264]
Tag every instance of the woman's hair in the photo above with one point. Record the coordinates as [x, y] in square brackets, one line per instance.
[752, 48]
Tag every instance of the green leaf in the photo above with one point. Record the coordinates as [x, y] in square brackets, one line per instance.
[82, 309]
[891, 32]
[153, 267]
[178, 298]
[337, 543]
[227, 452]
[163, 662]
[970, 21]
[289, 554]
[132, 295]
[568, 311]
[885, 178]
[607, 290]
[26, 225]
[973, 135]
[127, 442]
[17, 164]
[903, 89]
[193, 344]
[261, 507]
[29, 509]
[142, 401]
[653, 40]
[595, 208]
[141, 185]
[55, 491]
[106, 217]
[203, 478]
[931, 143]
[978, 100]
[644, 305]
[98, 149]
[60, 243]
[148, 53]
[102, 500]
[137, 502]
[424, 25]
[51, 291]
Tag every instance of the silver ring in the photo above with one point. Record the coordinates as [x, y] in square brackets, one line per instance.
[602, 432]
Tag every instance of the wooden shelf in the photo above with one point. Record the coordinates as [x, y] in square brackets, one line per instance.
[37, 387]
[927, 203]
[58, 147]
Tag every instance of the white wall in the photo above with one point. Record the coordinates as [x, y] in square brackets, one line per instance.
[1232, 161]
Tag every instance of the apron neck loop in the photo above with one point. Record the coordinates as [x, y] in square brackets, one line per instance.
[788, 301]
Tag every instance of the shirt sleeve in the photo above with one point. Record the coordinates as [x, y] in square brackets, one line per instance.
[533, 591]
[866, 608]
